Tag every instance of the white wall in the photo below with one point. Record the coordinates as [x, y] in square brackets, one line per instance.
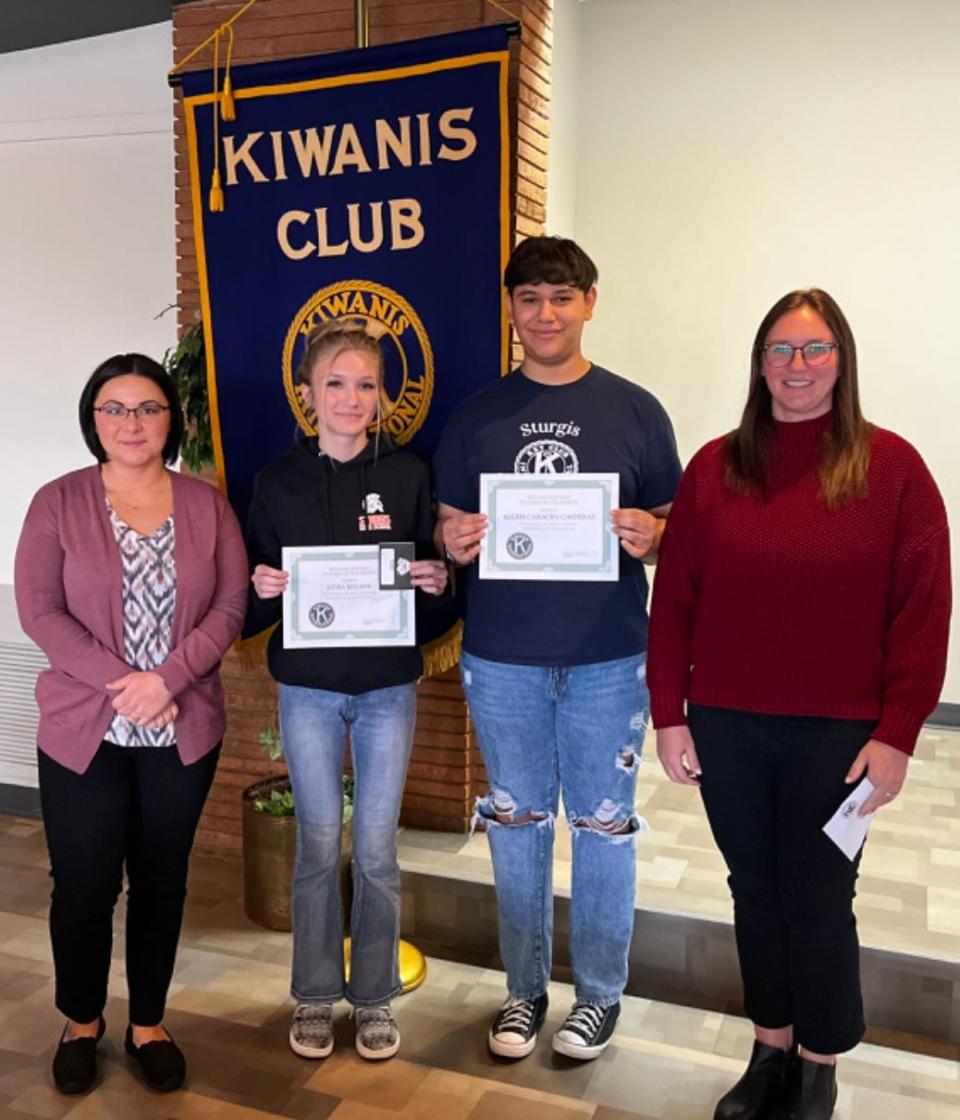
[564, 118]
[87, 255]
[729, 151]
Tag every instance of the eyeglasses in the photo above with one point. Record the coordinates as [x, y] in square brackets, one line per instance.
[149, 411]
[814, 353]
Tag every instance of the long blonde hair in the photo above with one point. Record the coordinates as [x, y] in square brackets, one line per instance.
[332, 337]
[337, 335]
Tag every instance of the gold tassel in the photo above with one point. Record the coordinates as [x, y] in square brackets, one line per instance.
[216, 192]
[228, 110]
[215, 201]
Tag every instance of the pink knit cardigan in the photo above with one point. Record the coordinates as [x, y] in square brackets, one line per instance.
[68, 586]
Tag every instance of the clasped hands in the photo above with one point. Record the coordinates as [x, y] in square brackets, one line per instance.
[462, 534]
[144, 699]
[885, 766]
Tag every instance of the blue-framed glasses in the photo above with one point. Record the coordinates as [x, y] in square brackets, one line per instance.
[814, 353]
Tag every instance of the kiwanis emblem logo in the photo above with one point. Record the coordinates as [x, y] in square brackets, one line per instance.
[519, 545]
[546, 456]
[322, 615]
[407, 354]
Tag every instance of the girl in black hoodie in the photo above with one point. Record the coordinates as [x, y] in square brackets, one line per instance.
[341, 487]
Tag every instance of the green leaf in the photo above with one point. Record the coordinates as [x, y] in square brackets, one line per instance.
[187, 365]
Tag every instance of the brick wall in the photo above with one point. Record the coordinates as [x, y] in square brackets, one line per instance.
[445, 769]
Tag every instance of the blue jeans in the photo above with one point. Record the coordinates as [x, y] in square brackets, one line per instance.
[314, 726]
[576, 730]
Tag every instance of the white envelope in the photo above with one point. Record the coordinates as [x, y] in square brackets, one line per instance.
[845, 828]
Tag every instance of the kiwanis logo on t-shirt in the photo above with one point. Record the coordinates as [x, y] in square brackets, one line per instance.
[550, 455]
[407, 355]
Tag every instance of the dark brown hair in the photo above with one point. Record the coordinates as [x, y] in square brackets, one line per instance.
[120, 365]
[549, 260]
[845, 449]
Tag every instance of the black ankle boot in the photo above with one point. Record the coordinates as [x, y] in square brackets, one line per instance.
[761, 1089]
[814, 1092]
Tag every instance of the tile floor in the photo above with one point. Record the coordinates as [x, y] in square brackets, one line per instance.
[229, 1009]
[908, 896]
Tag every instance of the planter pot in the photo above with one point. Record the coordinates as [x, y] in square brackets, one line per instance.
[269, 847]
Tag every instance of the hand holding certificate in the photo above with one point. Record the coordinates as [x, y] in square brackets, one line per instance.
[549, 526]
[334, 599]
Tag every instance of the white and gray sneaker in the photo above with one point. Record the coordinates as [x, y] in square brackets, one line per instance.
[377, 1033]
[515, 1029]
[311, 1032]
[586, 1031]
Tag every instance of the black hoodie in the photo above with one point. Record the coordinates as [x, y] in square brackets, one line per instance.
[307, 498]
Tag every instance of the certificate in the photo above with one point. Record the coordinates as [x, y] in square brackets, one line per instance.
[549, 526]
[334, 599]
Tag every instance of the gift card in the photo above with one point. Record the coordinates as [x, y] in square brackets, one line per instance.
[396, 559]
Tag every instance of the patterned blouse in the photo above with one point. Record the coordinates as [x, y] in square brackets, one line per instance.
[149, 598]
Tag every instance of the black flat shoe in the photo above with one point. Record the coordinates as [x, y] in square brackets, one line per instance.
[75, 1062]
[162, 1064]
[760, 1092]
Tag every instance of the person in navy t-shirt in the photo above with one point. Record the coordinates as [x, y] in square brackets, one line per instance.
[555, 672]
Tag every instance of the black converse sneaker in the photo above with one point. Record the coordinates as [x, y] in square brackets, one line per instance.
[514, 1031]
[587, 1030]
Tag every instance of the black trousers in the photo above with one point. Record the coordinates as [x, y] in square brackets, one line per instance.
[134, 806]
[769, 785]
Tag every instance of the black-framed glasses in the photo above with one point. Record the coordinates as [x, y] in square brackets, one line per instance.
[814, 353]
[149, 411]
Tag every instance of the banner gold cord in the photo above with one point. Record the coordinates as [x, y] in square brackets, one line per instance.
[228, 109]
[506, 11]
[215, 200]
[226, 25]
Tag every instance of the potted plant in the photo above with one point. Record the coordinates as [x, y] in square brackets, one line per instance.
[270, 842]
[187, 365]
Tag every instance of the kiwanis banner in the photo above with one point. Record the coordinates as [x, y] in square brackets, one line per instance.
[370, 184]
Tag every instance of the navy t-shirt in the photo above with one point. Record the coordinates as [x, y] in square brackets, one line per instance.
[600, 422]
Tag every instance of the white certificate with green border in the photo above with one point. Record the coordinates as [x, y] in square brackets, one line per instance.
[549, 526]
[334, 600]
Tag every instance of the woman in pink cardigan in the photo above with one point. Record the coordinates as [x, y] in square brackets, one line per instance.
[132, 580]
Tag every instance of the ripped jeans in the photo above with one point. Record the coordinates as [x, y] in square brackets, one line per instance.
[576, 731]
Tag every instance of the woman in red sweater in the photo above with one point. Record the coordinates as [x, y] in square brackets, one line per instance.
[801, 613]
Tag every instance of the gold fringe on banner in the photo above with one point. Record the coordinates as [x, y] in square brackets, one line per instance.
[442, 653]
[438, 656]
[252, 652]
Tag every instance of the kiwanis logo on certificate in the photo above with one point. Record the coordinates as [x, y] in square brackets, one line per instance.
[407, 355]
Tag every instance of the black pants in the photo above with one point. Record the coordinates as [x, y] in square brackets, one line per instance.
[137, 806]
[769, 785]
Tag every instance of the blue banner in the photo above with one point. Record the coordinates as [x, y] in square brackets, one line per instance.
[370, 184]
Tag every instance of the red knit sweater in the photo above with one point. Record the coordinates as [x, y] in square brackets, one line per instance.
[779, 605]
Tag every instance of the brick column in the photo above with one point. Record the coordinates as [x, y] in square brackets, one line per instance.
[445, 768]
